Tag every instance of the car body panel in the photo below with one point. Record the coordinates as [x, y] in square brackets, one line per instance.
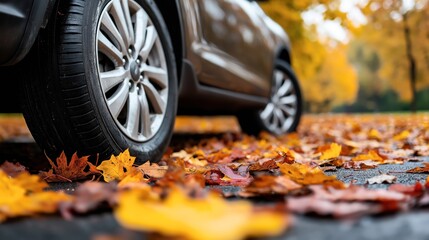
[222, 38]
[20, 21]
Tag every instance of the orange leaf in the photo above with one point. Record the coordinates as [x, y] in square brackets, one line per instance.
[306, 175]
[371, 155]
[333, 151]
[63, 172]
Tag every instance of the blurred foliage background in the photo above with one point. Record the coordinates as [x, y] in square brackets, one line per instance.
[358, 55]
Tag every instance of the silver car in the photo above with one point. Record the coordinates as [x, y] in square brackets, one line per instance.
[102, 76]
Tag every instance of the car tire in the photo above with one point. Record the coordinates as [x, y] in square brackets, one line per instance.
[102, 81]
[282, 113]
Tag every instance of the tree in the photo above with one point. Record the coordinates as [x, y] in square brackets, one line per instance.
[399, 31]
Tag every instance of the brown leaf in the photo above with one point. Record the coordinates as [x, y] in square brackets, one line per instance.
[312, 204]
[63, 172]
[90, 196]
[153, 170]
[12, 169]
[424, 169]
[268, 185]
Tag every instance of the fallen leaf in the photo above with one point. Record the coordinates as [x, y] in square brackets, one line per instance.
[207, 218]
[12, 169]
[269, 185]
[153, 170]
[17, 199]
[371, 155]
[424, 169]
[383, 178]
[67, 172]
[306, 175]
[89, 196]
[117, 166]
[311, 204]
[333, 151]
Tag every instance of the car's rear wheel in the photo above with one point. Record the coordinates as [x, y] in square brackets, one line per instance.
[282, 113]
[105, 81]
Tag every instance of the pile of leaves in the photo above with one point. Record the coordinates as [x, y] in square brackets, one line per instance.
[289, 170]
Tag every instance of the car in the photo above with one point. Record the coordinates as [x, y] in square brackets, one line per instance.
[102, 76]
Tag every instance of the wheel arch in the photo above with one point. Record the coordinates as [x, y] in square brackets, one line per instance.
[283, 53]
[172, 17]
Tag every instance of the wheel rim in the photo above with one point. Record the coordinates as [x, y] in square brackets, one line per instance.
[132, 69]
[280, 113]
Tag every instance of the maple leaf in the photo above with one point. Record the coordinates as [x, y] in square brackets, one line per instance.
[207, 218]
[12, 169]
[153, 170]
[312, 204]
[268, 184]
[134, 175]
[306, 175]
[424, 169]
[89, 196]
[18, 199]
[333, 151]
[117, 166]
[233, 178]
[67, 172]
[371, 155]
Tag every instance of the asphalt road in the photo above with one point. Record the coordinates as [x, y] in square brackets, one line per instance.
[410, 225]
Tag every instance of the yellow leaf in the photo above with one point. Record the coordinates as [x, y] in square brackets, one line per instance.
[134, 176]
[189, 158]
[402, 136]
[371, 155]
[374, 134]
[18, 199]
[9, 191]
[116, 167]
[333, 152]
[306, 175]
[209, 218]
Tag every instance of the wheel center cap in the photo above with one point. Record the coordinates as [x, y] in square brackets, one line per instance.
[135, 71]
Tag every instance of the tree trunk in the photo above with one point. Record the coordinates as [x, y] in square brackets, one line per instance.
[411, 61]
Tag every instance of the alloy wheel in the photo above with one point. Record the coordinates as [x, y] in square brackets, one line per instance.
[132, 69]
[280, 113]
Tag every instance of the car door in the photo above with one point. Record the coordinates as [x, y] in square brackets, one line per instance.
[232, 47]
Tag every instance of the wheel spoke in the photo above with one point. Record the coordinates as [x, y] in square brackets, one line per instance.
[145, 115]
[112, 78]
[155, 99]
[157, 75]
[151, 37]
[141, 21]
[108, 49]
[117, 101]
[127, 15]
[133, 114]
[121, 22]
[109, 27]
[288, 99]
[288, 110]
[287, 85]
[279, 115]
[287, 124]
[268, 111]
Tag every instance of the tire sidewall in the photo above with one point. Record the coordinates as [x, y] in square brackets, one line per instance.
[154, 148]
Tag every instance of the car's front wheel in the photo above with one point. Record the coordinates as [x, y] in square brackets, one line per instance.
[105, 80]
[283, 111]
